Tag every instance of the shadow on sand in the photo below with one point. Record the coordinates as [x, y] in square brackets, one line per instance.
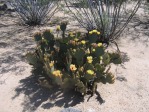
[36, 95]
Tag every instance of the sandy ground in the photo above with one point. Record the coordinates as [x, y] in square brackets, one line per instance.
[20, 92]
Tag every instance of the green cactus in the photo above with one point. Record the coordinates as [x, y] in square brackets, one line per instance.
[77, 62]
[103, 80]
[58, 80]
[106, 59]
[94, 88]
[63, 47]
[88, 66]
[43, 46]
[92, 38]
[99, 70]
[78, 34]
[47, 35]
[48, 38]
[95, 61]
[115, 58]
[63, 26]
[89, 75]
[32, 59]
[99, 51]
[80, 87]
[79, 55]
[68, 60]
[110, 78]
[45, 83]
[38, 37]
[68, 83]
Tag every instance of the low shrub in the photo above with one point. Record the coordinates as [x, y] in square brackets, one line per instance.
[35, 12]
[110, 17]
[73, 61]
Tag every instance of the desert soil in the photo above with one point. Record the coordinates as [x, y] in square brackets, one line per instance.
[20, 92]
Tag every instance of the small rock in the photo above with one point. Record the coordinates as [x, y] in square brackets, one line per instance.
[6, 6]
[145, 27]
[121, 78]
[10, 7]
[2, 82]
[91, 110]
[3, 7]
[70, 110]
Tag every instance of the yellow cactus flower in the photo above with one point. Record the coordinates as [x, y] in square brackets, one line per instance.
[70, 33]
[90, 72]
[73, 67]
[94, 31]
[45, 57]
[93, 50]
[78, 43]
[58, 28]
[74, 50]
[99, 44]
[76, 39]
[51, 64]
[72, 42]
[89, 59]
[51, 30]
[83, 42]
[91, 32]
[88, 51]
[82, 68]
[101, 58]
[57, 73]
[98, 33]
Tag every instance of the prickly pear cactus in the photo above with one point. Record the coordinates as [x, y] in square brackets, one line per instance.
[32, 59]
[73, 61]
